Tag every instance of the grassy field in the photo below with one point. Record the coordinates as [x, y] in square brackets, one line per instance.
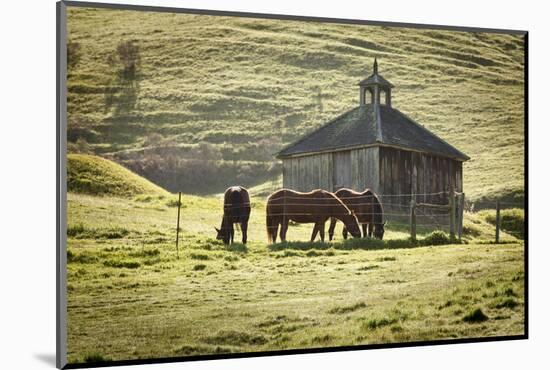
[215, 97]
[129, 296]
[207, 106]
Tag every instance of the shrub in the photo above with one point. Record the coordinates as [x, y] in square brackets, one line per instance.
[128, 56]
[475, 316]
[199, 267]
[436, 238]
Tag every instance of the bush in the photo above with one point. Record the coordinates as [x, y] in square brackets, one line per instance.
[475, 316]
[437, 237]
[128, 56]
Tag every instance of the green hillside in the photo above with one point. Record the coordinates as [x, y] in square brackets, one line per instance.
[98, 176]
[213, 98]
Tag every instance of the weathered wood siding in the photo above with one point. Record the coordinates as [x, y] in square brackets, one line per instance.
[341, 169]
[403, 172]
[365, 169]
[308, 172]
[386, 171]
[356, 169]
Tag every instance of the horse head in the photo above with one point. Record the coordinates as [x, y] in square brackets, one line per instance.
[352, 225]
[379, 230]
[222, 234]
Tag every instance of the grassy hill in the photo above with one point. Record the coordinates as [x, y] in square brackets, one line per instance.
[214, 97]
[91, 174]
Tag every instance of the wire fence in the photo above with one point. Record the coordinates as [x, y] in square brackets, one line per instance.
[395, 209]
[403, 212]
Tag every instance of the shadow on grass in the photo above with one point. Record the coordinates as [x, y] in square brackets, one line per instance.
[434, 238]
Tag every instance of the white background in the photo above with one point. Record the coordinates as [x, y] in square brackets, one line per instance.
[27, 196]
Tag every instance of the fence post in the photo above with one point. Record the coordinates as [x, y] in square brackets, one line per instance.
[460, 214]
[413, 219]
[452, 205]
[497, 222]
[178, 227]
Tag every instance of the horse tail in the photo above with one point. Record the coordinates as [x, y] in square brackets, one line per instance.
[378, 210]
[271, 227]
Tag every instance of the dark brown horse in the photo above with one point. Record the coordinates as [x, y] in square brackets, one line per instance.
[236, 210]
[315, 207]
[368, 209]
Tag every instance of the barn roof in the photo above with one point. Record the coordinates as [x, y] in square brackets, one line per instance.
[372, 124]
[375, 79]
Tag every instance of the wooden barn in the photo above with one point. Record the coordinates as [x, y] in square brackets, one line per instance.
[374, 146]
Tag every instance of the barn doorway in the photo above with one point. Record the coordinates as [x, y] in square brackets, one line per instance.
[341, 170]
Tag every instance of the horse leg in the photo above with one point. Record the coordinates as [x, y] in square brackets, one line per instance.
[314, 232]
[231, 233]
[284, 228]
[331, 228]
[365, 227]
[371, 229]
[345, 232]
[321, 229]
[244, 229]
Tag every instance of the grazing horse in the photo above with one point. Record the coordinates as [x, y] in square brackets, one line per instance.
[315, 207]
[236, 210]
[368, 209]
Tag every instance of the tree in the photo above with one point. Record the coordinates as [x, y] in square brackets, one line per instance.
[128, 57]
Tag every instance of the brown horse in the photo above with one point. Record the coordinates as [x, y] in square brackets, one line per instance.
[236, 210]
[368, 209]
[315, 207]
